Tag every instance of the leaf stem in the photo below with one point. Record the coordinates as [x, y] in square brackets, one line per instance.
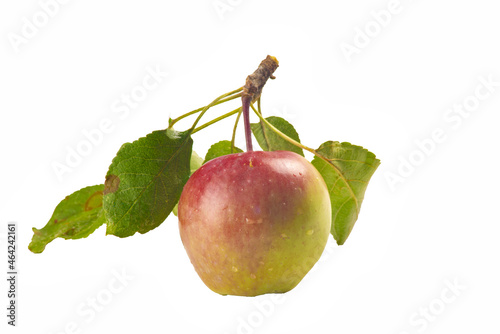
[234, 130]
[215, 120]
[229, 98]
[285, 137]
[282, 135]
[213, 103]
[264, 131]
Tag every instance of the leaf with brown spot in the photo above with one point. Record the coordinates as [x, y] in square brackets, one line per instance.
[76, 216]
[111, 184]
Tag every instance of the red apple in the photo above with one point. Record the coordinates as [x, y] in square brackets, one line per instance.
[254, 222]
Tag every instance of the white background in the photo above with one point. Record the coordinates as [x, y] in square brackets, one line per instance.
[436, 226]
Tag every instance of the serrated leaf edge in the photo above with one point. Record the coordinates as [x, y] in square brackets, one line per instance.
[341, 176]
[169, 134]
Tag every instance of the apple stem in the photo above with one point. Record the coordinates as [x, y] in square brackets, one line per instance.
[246, 120]
[252, 90]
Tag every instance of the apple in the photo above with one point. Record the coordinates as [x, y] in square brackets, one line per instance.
[254, 222]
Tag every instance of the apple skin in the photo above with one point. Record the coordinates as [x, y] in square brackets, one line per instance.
[254, 222]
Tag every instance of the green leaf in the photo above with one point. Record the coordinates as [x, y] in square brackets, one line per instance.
[347, 169]
[195, 163]
[145, 181]
[219, 149]
[75, 217]
[270, 141]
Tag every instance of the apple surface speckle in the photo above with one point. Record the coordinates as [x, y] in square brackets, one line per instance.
[273, 229]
